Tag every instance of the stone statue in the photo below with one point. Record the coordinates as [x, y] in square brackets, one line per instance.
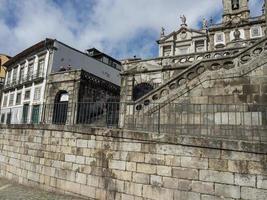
[183, 19]
[211, 20]
[204, 24]
[237, 34]
[162, 32]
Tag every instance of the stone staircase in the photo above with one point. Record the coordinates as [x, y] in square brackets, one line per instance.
[236, 65]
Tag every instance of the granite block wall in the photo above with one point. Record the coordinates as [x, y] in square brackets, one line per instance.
[122, 165]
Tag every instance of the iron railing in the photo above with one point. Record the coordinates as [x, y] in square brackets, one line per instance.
[23, 79]
[242, 122]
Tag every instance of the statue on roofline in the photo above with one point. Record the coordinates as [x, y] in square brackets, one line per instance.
[162, 32]
[204, 24]
[183, 19]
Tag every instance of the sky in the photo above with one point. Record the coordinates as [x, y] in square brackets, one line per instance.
[120, 28]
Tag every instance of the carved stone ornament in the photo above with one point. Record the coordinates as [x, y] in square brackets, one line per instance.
[183, 35]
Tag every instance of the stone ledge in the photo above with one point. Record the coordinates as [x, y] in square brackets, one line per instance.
[194, 141]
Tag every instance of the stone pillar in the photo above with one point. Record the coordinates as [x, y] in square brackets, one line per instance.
[127, 84]
[247, 33]
[227, 37]
[211, 43]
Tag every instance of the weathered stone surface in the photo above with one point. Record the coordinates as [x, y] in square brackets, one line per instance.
[146, 168]
[141, 178]
[164, 171]
[194, 162]
[218, 165]
[262, 182]
[215, 176]
[209, 197]
[181, 195]
[157, 193]
[253, 194]
[203, 187]
[227, 191]
[245, 180]
[107, 171]
[185, 173]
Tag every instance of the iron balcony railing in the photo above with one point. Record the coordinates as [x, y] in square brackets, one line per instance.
[235, 121]
[23, 79]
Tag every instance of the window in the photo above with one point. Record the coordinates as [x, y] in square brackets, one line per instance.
[3, 116]
[8, 77]
[5, 101]
[255, 31]
[183, 50]
[40, 68]
[15, 73]
[167, 51]
[219, 38]
[27, 95]
[30, 71]
[199, 46]
[37, 93]
[21, 74]
[11, 100]
[18, 99]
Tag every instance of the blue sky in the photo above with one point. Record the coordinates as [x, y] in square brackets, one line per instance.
[121, 28]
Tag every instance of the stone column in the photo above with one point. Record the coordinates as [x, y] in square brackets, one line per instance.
[211, 42]
[227, 37]
[247, 33]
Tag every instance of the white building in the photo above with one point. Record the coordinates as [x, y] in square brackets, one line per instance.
[25, 84]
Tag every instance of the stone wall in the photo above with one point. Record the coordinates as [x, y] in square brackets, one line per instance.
[121, 165]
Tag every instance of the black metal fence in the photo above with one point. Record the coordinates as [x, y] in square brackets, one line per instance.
[103, 114]
[246, 122]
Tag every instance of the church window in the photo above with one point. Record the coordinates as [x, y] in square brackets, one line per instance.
[255, 31]
[235, 4]
[141, 90]
[199, 46]
[183, 50]
[219, 38]
[167, 51]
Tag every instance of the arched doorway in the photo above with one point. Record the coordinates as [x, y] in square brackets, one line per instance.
[141, 90]
[61, 107]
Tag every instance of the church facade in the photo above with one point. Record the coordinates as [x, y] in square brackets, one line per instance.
[236, 23]
[217, 64]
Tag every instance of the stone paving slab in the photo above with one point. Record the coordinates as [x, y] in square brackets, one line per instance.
[12, 191]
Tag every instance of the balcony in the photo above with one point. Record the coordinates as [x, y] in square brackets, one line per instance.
[24, 79]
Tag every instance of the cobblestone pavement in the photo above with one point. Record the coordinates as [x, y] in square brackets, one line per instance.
[13, 191]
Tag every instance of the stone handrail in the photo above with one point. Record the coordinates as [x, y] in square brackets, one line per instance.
[188, 59]
[198, 69]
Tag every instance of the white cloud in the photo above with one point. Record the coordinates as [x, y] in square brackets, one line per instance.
[115, 26]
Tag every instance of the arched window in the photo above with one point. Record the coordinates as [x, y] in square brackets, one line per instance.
[61, 107]
[141, 90]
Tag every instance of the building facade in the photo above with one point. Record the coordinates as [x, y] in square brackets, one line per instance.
[3, 59]
[27, 74]
[218, 64]
[236, 25]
